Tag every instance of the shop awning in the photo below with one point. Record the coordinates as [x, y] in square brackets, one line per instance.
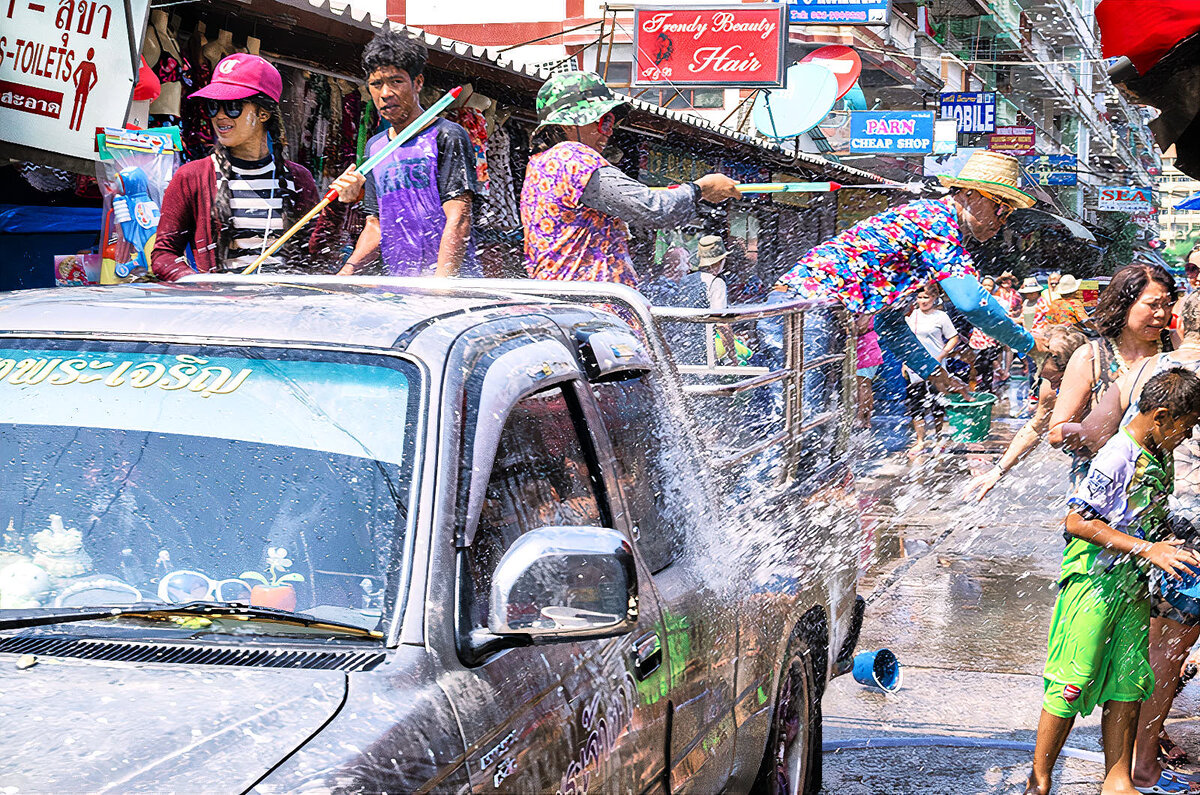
[1190, 203]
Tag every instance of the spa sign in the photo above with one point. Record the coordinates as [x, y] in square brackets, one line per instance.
[66, 68]
[728, 46]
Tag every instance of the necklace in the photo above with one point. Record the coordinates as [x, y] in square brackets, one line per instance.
[1122, 365]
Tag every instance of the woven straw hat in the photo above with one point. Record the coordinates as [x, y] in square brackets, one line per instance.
[993, 173]
[1067, 285]
[1030, 285]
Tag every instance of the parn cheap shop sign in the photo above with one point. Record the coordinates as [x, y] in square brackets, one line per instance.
[738, 45]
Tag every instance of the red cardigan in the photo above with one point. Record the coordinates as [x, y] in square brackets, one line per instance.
[187, 218]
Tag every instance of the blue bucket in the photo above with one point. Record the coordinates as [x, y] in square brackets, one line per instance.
[878, 669]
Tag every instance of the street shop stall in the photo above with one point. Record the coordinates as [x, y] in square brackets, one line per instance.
[328, 118]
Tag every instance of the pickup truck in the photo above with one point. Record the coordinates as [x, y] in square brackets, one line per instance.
[299, 534]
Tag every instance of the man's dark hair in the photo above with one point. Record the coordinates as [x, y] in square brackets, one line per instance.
[393, 48]
[1177, 390]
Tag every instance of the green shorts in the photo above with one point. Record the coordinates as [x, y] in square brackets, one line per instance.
[1099, 646]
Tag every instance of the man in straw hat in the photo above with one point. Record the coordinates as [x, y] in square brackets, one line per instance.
[1062, 307]
[575, 205]
[879, 262]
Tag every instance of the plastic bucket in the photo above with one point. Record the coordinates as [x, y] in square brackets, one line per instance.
[970, 420]
[878, 669]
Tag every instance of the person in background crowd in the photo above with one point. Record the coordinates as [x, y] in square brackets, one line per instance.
[1008, 297]
[986, 350]
[870, 359]
[1060, 343]
[1132, 317]
[1051, 291]
[575, 205]
[988, 283]
[1191, 269]
[1064, 310]
[1031, 293]
[228, 206]
[420, 201]
[879, 262]
[937, 335]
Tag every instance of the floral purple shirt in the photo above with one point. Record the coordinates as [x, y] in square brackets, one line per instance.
[885, 257]
[564, 239]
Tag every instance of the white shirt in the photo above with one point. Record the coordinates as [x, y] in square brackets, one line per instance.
[718, 292]
[933, 330]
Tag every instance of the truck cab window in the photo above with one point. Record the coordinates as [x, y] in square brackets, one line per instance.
[540, 478]
[645, 454]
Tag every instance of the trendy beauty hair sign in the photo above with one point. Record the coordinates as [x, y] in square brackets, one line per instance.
[728, 46]
[66, 69]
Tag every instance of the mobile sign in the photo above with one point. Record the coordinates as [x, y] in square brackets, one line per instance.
[891, 132]
[737, 45]
[1051, 170]
[975, 111]
[841, 12]
[66, 69]
[1127, 199]
[1018, 141]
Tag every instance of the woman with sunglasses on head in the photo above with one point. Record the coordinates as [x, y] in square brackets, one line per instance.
[1056, 345]
[880, 262]
[575, 205]
[1172, 631]
[229, 206]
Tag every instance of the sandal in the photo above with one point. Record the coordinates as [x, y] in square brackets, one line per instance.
[1171, 753]
[1167, 785]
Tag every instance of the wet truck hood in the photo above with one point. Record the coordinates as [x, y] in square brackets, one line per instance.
[79, 726]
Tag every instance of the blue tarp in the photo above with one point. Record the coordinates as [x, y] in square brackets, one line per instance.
[1190, 203]
[18, 219]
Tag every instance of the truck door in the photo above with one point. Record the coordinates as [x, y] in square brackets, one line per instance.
[568, 716]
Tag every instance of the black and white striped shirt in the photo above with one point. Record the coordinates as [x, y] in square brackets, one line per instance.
[256, 202]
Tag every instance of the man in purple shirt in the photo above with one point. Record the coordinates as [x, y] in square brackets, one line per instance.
[420, 199]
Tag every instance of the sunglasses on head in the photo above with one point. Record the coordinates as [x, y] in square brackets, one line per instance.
[232, 107]
[607, 123]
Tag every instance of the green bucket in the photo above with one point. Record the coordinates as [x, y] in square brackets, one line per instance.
[971, 419]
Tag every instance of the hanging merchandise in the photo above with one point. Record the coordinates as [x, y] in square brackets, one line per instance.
[471, 119]
[500, 210]
[134, 169]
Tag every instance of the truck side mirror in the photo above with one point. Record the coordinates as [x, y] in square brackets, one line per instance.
[565, 582]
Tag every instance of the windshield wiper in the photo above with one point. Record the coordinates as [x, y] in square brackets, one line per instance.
[154, 610]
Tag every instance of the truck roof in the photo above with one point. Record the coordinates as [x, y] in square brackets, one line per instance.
[318, 311]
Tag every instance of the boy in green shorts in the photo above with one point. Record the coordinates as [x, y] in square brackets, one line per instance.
[1099, 639]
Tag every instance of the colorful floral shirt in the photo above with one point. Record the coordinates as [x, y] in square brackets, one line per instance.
[1058, 312]
[564, 239]
[885, 257]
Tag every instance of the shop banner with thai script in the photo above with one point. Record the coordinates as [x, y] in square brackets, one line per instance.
[1051, 170]
[1127, 199]
[891, 132]
[66, 68]
[841, 12]
[736, 45]
[1016, 141]
[975, 111]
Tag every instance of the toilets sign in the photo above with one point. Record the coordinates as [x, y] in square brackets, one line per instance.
[975, 111]
[891, 132]
[65, 70]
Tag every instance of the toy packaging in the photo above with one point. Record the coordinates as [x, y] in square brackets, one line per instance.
[134, 169]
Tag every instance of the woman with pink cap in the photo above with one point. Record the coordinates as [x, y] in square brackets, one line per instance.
[230, 205]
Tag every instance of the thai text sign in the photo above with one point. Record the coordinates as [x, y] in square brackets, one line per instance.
[975, 111]
[1017, 141]
[65, 69]
[737, 45]
[1051, 170]
[891, 132]
[1127, 199]
[840, 12]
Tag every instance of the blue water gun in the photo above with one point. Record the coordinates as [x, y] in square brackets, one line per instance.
[138, 216]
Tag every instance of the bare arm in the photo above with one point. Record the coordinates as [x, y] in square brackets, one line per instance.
[456, 234]
[1072, 398]
[948, 348]
[1023, 442]
[1166, 555]
[366, 249]
[1102, 421]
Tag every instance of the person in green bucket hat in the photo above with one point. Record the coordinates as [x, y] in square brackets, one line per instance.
[575, 205]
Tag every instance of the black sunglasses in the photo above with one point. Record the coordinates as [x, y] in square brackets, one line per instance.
[232, 107]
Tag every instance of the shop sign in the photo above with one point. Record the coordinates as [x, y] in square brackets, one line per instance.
[840, 12]
[65, 70]
[1051, 170]
[975, 111]
[1018, 141]
[945, 137]
[1119, 198]
[736, 45]
[891, 132]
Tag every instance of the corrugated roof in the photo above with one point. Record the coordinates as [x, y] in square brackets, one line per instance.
[347, 12]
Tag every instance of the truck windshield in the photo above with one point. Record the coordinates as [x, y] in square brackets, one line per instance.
[139, 473]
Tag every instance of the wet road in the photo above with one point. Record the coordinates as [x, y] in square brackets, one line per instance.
[963, 596]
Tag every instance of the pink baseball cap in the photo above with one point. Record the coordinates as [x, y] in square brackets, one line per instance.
[243, 75]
